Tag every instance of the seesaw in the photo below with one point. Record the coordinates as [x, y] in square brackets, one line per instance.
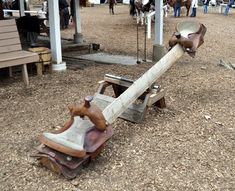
[84, 136]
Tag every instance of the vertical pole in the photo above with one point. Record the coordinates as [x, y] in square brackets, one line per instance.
[78, 38]
[22, 8]
[158, 47]
[137, 45]
[158, 22]
[145, 42]
[55, 38]
[149, 26]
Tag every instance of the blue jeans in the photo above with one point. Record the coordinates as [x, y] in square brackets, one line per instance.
[231, 2]
[226, 10]
[205, 9]
[177, 10]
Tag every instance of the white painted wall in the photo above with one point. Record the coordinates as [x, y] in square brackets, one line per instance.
[97, 2]
[126, 2]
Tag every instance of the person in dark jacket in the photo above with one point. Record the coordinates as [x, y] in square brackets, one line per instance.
[111, 5]
[64, 14]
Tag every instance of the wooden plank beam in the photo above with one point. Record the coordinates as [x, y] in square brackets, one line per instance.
[134, 113]
[120, 104]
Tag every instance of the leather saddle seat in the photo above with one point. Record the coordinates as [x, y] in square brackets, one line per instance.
[78, 139]
[189, 35]
[187, 27]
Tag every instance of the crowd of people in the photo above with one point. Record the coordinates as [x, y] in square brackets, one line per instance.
[66, 14]
[194, 6]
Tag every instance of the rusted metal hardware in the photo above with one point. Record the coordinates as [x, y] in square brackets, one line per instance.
[190, 35]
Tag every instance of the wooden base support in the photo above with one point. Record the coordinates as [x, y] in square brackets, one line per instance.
[62, 163]
[136, 111]
[41, 68]
[25, 74]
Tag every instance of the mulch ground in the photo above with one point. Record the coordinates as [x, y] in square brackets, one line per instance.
[190, 145]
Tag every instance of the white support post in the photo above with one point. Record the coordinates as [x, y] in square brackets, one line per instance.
[158, 47]
[55, 37]
[149, 23]
[22, 8]
[158, 22]
[148, 27]
[78, 29]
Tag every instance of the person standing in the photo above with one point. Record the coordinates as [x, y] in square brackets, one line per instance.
[111, 5]
[177, 8]
[229, 5]
[194, 8]
[205, 6]
[64, 14]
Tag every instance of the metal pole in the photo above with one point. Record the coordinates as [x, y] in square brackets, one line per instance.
[138, 61]
[145, 42]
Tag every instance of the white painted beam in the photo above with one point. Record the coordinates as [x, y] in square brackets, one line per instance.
[149, 23]
[17, 11]
[55, 37]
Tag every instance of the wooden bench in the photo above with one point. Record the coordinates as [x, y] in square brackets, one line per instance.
[11, 53]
